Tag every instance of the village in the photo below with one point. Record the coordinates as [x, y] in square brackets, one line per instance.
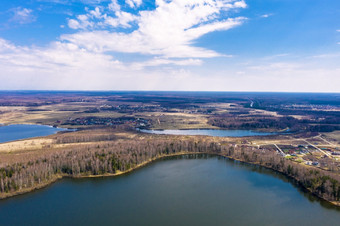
[313, 151]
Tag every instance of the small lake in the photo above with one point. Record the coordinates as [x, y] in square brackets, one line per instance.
[209, 132]
[24, 131]
[185, 190]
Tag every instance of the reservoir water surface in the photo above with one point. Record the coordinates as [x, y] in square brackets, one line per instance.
[24, 131]
[210, 132]
[185, 190]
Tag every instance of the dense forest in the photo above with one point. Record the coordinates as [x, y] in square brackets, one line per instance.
[119, 155]
[231, 121]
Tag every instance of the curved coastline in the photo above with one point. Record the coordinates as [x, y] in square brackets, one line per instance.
[57, 130]
[119, 173]
[210, 132]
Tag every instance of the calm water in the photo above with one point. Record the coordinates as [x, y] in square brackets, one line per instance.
[20, 131]
[181, 191]
[209, 132]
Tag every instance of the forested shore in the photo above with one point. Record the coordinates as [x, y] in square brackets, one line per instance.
[117, 156]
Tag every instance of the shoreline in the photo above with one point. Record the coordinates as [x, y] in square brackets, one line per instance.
[60, 129]
[119, 173]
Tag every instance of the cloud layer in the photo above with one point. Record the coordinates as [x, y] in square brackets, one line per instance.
[22, 15]
[168, 31]
[127, 46]
[165, 34]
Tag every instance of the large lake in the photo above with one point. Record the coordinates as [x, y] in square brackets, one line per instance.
[209, 132]
[201, 190]
[24, 131]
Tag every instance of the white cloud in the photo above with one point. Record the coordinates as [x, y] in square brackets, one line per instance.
[22, 15]
[240, 4]
[276, 66]
[165, 37]
[65, 2]
[122, 19]
[327, 55]
[162, 61]
[114, 5]
[168, 41]
[134, 3]
[66, 66]
[164, 42]
[93, 2]
[153, 39]
[74, 24]
[97, 19]
[266, 15]
[82, 22]
[170, 30]
[55, 57]
[96, 13]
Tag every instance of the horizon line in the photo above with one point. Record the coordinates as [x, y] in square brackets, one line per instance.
[188, 91]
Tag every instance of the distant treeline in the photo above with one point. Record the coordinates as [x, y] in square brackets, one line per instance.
[230, 121]
[110, 157]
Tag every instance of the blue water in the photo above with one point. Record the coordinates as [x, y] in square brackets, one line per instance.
[210, 132]
[201, 190]
[23, 131]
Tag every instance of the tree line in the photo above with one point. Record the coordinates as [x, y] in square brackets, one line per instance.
[110, 157]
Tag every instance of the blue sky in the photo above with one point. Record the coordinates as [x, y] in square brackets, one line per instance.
[211, 45]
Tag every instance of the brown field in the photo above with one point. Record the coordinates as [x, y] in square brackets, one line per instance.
[107, 132]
